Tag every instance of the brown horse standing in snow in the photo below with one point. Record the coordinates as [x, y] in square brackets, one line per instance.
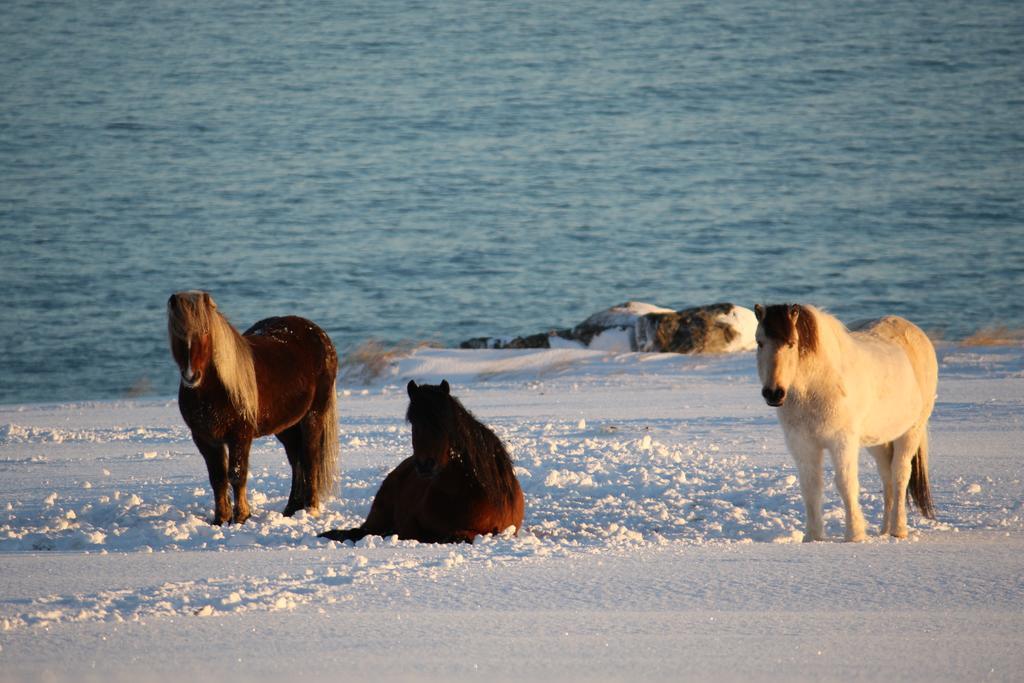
[458, 483]
[276, 378]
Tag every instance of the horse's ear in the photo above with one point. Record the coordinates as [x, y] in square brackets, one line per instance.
[208, 300]
[446, 388]
[759, 312]
[794, 312]
[411, 388]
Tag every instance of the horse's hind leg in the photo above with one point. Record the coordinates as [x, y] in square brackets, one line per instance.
[844, 460]
[305, 443]
[904, 450]
[883, 456]
[294, 447]
[312, 439]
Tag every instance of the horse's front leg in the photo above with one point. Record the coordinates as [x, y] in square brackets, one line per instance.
[343, 535]
[810, 468]
[844, 460]
[883, 457]
[238, 474]
[217, 468]
[381, 519]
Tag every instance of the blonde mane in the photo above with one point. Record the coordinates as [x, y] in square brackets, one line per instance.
[196, 313]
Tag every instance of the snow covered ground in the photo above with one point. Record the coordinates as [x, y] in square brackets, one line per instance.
[660, 540]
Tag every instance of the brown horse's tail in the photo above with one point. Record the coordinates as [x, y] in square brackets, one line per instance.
[327, 467]
[918, 488]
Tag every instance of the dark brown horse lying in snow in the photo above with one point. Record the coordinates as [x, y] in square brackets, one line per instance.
[458, 483]
[277, 378]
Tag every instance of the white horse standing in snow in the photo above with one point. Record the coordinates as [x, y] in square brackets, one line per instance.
[839, 390]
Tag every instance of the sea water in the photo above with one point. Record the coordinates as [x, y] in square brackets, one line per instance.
[443, 170]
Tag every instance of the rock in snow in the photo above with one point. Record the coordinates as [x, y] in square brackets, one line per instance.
[637, 326]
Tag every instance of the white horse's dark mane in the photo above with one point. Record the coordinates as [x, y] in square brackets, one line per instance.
[778, 325]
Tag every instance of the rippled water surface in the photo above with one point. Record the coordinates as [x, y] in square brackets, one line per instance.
[445, 170]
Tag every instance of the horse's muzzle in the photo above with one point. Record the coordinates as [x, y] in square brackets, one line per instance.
[774, 397]
[194, 382]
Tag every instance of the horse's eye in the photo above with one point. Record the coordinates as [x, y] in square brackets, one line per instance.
[760, 345]
[790, 345]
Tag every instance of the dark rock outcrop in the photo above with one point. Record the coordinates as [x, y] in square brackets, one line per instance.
[705, 329]
[636, 326]
[533, 341]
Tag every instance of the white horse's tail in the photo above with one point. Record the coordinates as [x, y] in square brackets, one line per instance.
[918, 488]
[327, 468]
